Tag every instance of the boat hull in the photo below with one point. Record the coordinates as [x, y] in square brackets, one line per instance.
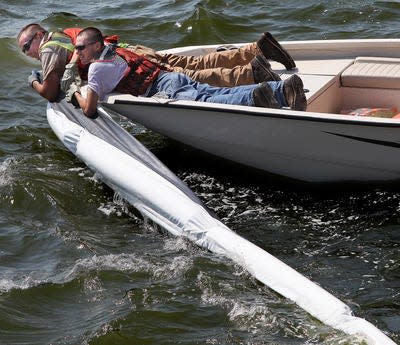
[307, 148]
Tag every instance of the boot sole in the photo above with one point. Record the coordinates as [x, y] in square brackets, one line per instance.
[299, 103]
[271, 40]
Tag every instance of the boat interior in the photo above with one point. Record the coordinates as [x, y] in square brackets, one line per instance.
[342, 75]
[340, 86]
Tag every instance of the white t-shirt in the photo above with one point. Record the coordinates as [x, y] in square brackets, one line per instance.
[103, 77]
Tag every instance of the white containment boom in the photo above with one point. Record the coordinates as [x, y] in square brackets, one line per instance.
[157, 193]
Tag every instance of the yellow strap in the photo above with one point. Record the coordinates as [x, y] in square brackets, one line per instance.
[123, 45]
[60, 40]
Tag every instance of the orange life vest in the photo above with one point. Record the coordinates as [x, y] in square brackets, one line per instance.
[72, 33]
[140, 72]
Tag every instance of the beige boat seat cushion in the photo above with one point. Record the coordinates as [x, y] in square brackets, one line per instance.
[370, 72]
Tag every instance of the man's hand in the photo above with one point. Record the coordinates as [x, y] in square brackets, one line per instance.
[88, 104]
[70, 76]
[34, 76]
[70, 94]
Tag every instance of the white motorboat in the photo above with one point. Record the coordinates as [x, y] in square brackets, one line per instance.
[319, 145]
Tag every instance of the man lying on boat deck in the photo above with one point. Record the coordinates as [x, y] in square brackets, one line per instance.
[124, 71]
[242, 66]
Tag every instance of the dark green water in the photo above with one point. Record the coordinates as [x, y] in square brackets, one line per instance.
[77, 266]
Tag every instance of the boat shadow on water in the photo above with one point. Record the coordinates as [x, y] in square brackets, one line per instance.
[183, 158]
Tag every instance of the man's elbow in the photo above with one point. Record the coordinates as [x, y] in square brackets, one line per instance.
[51, 96]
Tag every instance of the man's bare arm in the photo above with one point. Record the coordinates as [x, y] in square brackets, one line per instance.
[49, 88]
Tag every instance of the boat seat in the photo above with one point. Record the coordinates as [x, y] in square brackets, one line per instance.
[372, 72]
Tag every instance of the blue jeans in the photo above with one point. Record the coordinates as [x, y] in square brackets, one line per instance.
[180, 86]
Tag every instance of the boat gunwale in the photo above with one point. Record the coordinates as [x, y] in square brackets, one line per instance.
[328, 118]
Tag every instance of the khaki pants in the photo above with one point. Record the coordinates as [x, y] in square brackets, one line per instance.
[226, 68]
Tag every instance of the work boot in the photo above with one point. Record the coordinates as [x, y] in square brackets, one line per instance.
[293, 90]
[262, 70]
[263, 96]
[274, 51]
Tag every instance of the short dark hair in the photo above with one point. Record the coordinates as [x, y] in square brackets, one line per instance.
[93, 34]
[32, 28]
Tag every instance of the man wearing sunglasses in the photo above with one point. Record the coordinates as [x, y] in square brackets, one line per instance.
[124, 71]
[245, 65]
[53, 67]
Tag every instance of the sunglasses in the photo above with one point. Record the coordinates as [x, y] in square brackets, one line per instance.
[27, 44]
[84, 46]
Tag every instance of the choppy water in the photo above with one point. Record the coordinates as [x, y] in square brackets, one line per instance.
[78, 266]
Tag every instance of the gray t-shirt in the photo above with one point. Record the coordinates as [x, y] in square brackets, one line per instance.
[53, 59]
[104, 76]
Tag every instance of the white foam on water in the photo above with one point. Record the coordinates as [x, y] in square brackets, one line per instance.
[108, 209]
[130, 263]
[22, 283]
[116, 262]
[6, 285]
[179, 266]
[177, 244]
[93, 288]
[6, 171]
[78, 169]
[251, 315]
